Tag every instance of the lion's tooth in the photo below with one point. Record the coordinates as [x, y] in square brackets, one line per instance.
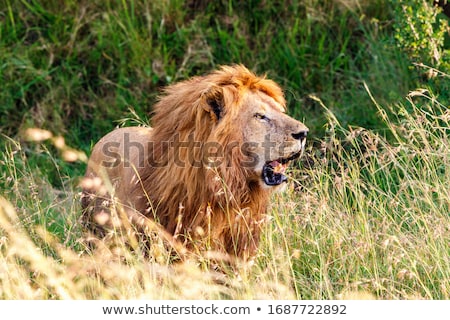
[279, 168]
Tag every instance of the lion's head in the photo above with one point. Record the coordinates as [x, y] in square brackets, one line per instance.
[270, 138]
[219, 146]
[242, 113]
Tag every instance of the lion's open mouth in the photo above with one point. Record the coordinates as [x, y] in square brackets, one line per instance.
[273, 172]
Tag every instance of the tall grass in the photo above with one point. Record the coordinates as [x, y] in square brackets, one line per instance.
[365, 218]
[373, 215]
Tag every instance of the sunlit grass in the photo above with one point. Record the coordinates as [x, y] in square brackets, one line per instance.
[366, 217]
[373, 215]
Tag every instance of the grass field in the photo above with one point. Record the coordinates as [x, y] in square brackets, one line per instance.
[367, 214]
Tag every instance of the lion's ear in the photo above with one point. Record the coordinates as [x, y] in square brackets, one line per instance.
[214, 102]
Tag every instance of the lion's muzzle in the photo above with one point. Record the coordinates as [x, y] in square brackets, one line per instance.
[273, 172]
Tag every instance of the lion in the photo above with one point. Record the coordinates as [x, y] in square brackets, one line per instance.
[218, 148]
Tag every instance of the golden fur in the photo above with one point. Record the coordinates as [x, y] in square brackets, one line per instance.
[207, 198]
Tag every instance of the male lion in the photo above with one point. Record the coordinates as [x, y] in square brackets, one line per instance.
[219, 147]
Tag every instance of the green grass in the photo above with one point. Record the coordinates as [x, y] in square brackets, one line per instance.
[368, 214]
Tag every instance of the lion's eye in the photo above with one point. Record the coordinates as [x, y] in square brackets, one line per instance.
[262, 117]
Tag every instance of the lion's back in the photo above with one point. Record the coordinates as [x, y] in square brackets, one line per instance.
[113, 169]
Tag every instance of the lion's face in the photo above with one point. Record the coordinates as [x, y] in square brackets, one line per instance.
[271, 138]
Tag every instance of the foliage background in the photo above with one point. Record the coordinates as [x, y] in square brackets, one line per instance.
[350, 70]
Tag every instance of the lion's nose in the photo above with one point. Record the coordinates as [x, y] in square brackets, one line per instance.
[301, 135]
